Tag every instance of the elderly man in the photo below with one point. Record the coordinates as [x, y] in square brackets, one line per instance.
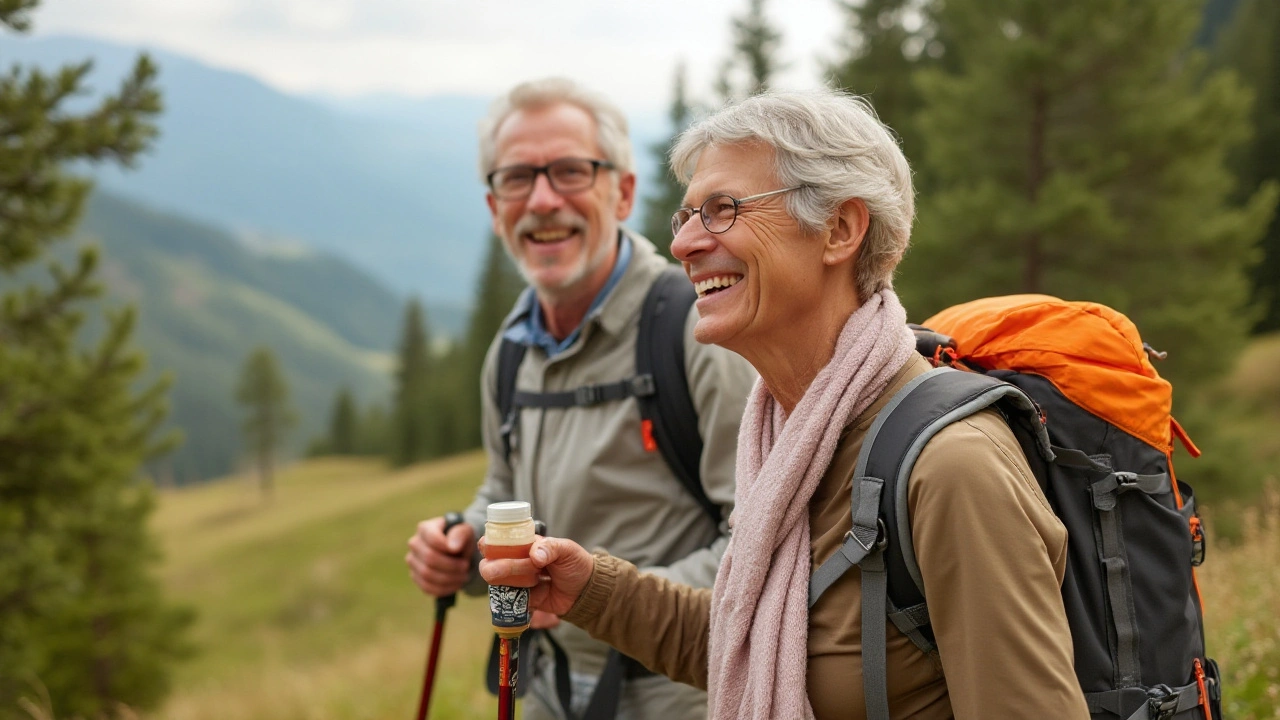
[558, 164]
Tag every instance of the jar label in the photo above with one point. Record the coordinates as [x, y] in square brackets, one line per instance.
[509, 606]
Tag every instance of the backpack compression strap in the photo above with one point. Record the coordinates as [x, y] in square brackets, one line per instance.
[880, 542]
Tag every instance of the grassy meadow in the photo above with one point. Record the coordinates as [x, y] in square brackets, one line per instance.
[305, 609]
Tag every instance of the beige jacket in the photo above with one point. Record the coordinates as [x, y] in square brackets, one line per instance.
[992, 555]
[585, 470]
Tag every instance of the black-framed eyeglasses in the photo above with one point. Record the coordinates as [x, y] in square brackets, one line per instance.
[566, 175]
[718, 212]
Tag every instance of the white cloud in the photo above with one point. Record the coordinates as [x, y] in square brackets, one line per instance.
[414, 47]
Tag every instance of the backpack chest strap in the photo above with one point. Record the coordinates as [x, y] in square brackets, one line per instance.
[639, 386]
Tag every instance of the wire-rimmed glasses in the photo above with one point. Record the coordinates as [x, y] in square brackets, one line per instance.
[718, 212]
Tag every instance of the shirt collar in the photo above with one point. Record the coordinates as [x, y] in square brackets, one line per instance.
[527, 326]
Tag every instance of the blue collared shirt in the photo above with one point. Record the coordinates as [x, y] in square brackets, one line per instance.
[528, 329]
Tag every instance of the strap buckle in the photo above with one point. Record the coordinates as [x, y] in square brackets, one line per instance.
[881, 541]
[1162, 702]
[1126, 480]
[643, 385]
[588, 395]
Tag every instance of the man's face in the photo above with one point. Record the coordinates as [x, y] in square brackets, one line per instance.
[564, 245]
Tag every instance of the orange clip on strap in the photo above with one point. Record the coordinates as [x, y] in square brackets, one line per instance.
[646, 436]
[1204, 690]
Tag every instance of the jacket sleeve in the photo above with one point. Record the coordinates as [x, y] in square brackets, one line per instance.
[498, 485]
[662, 624]
[992, 555]
[719, 382]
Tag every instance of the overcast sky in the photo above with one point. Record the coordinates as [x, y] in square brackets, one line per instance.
[479, 47]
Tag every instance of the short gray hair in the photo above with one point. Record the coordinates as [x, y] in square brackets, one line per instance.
[834, 145]
[611, 124]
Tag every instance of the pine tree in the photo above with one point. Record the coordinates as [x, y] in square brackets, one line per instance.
[1077, 154]
[885, 42]
[1250, 45]
[82, 619]
[264, 393]
[342, 424]
[754, 59]
[412, 433]
[496, 291]
[666, 191]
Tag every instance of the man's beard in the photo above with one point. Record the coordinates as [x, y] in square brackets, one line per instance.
[588, 261]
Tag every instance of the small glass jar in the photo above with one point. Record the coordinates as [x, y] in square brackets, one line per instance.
[508, 534]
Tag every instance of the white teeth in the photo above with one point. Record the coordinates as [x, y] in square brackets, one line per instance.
[549, 235]
[702, 287]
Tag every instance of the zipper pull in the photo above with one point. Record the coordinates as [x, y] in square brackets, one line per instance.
[1204, 691]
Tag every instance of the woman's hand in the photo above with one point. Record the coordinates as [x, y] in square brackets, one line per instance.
[557, 571]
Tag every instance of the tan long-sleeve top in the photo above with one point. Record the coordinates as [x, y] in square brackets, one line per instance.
[992, 556]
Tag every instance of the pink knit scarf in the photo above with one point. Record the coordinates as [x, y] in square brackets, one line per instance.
[758, 650]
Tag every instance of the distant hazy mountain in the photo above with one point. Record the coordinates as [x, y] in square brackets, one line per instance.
[206, 300]
[387, 182]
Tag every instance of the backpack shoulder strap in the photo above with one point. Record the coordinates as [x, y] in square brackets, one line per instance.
[510, 355]
[880, 541]
[668, 417]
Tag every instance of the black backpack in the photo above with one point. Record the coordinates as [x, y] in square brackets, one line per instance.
[1133, 532]
[669, 424]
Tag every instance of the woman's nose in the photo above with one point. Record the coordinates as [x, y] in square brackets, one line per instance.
[691, 240]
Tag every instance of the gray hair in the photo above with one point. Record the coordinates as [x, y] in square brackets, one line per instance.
[834, 145]
[611, 124]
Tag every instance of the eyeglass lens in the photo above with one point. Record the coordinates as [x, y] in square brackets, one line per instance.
[718, 213]
[567, 175]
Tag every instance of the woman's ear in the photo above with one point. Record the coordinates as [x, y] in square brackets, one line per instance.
[849, 228]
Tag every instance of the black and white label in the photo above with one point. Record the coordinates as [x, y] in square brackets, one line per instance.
[509, 606]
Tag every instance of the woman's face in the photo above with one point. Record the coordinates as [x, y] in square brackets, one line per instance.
[763, 275]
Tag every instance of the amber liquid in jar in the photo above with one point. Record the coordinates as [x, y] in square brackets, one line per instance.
[508, 535]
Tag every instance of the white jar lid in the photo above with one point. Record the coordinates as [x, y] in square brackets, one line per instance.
[507, 512]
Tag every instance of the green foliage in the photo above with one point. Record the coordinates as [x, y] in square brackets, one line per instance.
[884, 44]
[264, 393]
[342, 424]
[82, 621]
[496, 291]
[1052, 181]
[666, 192]
[1250, 45]
[413, 433]
[753, 60]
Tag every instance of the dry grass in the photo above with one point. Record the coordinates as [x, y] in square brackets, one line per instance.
[305, 610]
[1241, 588]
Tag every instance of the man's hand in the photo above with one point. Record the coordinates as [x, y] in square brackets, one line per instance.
[439, 564]
[557, 571]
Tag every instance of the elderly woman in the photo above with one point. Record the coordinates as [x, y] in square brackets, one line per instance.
[799, 208]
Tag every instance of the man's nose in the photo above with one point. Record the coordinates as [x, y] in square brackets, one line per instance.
[543, 198]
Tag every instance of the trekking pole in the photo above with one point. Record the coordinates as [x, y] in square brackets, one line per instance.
[509, 661]
[433, 656]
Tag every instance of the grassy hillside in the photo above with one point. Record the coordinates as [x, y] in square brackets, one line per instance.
[305, 606]
[206, 301]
